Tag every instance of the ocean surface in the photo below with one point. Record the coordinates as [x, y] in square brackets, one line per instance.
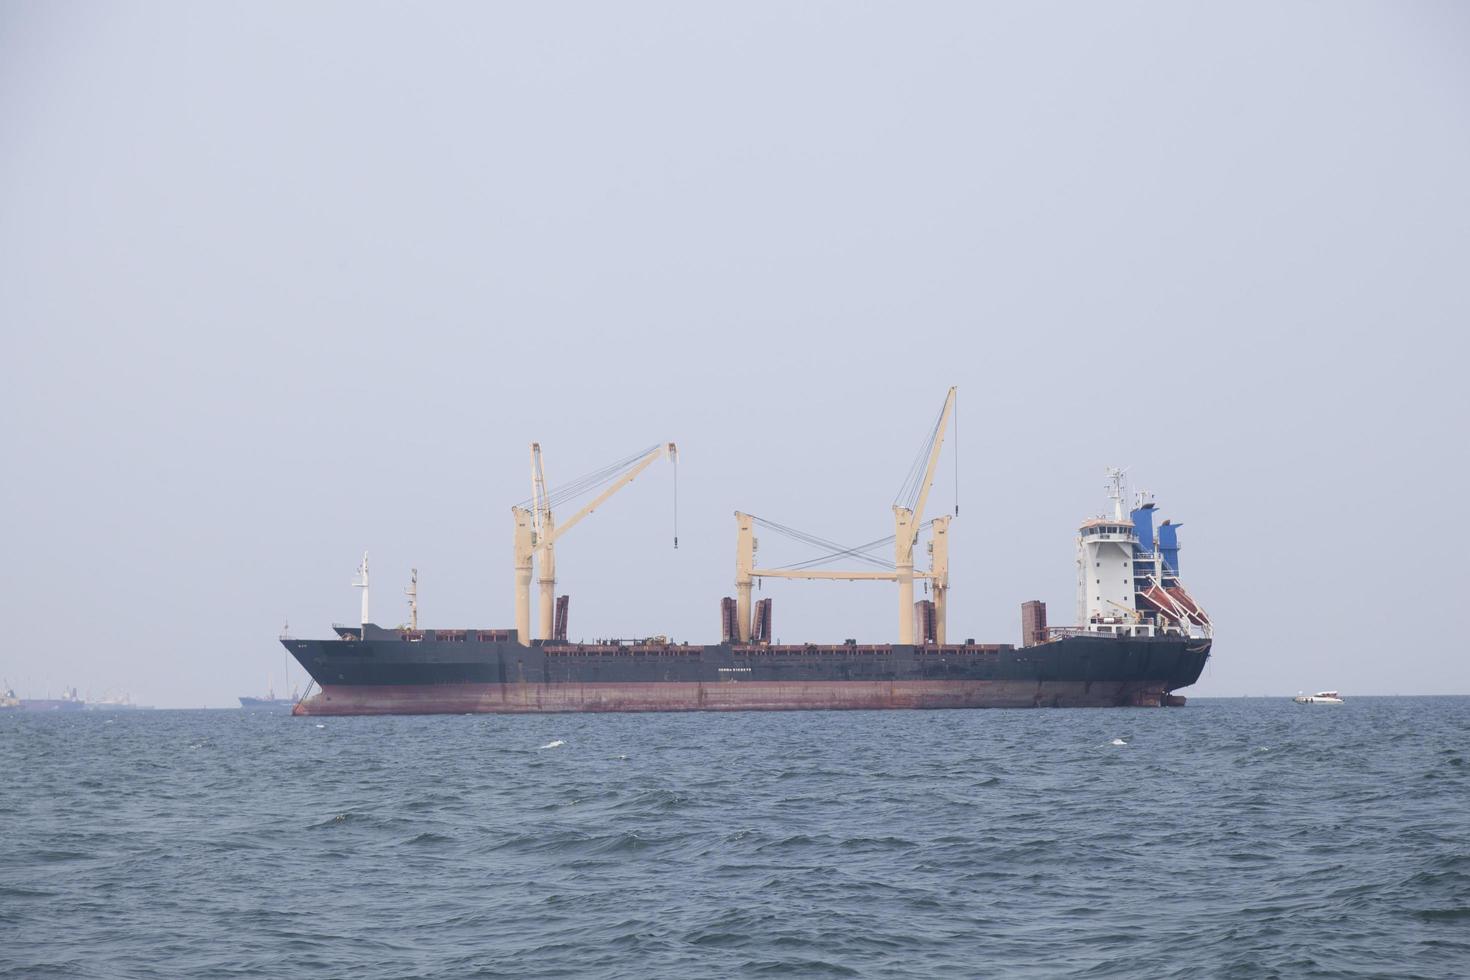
[1231, 838]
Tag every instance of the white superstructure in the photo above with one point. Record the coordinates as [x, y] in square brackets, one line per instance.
[1106, 548]
[1105, 551]
[1128, 572]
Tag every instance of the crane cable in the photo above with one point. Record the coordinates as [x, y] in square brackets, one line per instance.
[833, 549]
[854, 552]
[811, 539]
[913, 484]
[591, 481]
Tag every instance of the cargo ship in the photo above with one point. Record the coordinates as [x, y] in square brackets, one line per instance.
[69, 701]
[117, 702]
[268, 703]
[1139, 637]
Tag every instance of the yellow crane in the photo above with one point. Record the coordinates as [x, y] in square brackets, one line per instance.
[907, 523]
[536, 534]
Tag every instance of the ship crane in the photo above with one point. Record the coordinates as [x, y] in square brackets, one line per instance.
[908, 513]
[536, 532]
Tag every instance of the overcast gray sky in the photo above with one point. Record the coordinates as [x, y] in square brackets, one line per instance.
[281, 282]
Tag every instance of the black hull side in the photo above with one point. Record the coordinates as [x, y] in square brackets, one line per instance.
[389, 673]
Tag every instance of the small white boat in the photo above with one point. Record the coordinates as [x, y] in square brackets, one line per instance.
[1321, 697]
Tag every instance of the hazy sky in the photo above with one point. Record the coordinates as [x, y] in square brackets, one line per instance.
[282, 282]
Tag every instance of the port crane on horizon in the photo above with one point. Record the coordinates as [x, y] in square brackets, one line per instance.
[536, 532]
[908, 512]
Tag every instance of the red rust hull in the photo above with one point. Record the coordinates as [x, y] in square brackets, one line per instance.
[726, 696]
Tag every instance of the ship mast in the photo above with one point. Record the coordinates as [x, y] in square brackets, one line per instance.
[362, 583]
[286, 665]
[413, 599]
[1117, 487]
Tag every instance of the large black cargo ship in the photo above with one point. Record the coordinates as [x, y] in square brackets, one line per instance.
[1140, 636]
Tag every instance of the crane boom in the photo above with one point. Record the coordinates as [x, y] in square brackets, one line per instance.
[536, 534]
[542, 526]
[918, 515]
[668, 449]
[906, 526]
[540, 503]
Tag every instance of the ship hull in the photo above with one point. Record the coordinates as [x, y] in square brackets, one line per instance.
[389, 675]
[749, 696]
[273, 705]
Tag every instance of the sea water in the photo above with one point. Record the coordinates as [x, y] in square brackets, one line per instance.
[1233, 838]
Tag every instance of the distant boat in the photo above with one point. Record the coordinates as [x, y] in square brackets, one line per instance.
[113, 702]
[266, 704]
[8, 700]
[1321, 697]
[270, 702]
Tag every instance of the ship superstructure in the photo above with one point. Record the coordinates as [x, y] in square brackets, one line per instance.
[1128, 572]
[1139, 637]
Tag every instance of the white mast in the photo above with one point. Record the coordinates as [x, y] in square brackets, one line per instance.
[1117, 487]
[362, 583]
[413, 600]
[286, 675]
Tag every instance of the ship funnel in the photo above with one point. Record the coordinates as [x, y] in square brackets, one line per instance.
[1169, 545]
[1143, 525]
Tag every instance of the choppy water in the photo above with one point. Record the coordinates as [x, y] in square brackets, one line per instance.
[1242, 838]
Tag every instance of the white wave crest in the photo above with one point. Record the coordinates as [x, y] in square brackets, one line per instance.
[554, 745]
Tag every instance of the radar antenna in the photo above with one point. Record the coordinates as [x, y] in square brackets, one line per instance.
[1117, 488]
